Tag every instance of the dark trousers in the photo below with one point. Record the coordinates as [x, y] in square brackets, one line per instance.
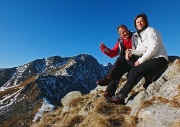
[152, 65]
[119, 68]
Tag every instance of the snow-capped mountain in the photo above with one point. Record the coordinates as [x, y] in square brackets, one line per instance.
[25, 89]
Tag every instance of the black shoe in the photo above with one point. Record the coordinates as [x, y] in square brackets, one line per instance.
[118, 99]
[104, 82]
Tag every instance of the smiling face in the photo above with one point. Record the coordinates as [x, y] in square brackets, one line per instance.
[123, 32]
[140, 23]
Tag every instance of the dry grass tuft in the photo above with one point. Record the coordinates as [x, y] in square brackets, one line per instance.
[101, 114]
[95, 120]
[148, 103]
[130, 121]
[176, 124]
[176, 101]
[75, 102]
[49, 119]
[163, 100]
[116, 121]
[120, 109]
[72, 120]
[102, 107]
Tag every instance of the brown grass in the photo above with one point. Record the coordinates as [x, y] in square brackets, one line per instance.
[76, 102]
[16, 88]
[49, 119]
[95, 120]
[71, 120]
[104, 108]
[101, 114]
[174, 102]
[148, 103]
[176, 124]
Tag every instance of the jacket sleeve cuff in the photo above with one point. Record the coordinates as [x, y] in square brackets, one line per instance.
[140, 60]
[137, 53]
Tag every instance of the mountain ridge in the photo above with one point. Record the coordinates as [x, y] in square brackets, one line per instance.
[25, 89]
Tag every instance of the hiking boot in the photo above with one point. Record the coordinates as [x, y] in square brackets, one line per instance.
[104, 82]
[118, 99]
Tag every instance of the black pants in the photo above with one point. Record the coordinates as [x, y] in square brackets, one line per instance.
[119, 68]
[145, 68]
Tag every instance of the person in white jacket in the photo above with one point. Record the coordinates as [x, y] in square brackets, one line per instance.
[152, 56]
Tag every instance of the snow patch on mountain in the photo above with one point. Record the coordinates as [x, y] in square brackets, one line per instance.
[13, 99]
[46, 107]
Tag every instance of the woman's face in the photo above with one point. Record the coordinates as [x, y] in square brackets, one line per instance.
[140, 23]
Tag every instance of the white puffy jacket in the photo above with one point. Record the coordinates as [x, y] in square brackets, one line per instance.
[150, 45]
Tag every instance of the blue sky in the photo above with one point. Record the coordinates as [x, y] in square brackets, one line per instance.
[36, 29]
